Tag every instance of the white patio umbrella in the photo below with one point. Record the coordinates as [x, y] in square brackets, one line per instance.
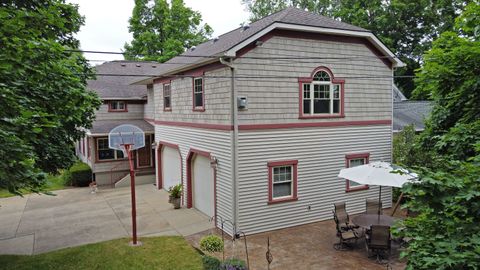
[378, 173]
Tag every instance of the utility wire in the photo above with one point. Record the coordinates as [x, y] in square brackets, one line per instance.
[244, 76]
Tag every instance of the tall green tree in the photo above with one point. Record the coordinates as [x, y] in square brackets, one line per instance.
[450, 76]
[406, 27]
[162, 30]
[44, 103]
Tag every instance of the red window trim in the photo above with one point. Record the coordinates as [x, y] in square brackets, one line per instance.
[349, 157]
[303, 80]
[88, 148]
[97, 159]
[270, 165]
[167, 109]
[113, 110]
[198, 108]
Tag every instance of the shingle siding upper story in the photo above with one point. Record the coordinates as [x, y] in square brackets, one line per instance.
[277, 100]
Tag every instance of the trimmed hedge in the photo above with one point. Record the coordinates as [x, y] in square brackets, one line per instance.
[79, 175]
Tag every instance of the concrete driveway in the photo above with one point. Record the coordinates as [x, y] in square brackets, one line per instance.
[40, 223]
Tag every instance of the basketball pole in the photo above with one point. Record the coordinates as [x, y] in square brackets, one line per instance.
[132, 187]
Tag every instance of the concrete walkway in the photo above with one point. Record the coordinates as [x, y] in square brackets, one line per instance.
[40, 223]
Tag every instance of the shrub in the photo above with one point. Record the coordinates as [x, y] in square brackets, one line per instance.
[211, 263]
[79, 175]
[211, 243]
[175, 191]
[234, 264]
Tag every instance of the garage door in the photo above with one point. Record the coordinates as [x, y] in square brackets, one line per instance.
[171, 174]
[202, 179]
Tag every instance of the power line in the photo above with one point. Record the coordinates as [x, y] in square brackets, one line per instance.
[245, 76]
[244, 57]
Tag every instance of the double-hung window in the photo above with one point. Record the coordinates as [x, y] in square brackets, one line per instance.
[167, 94]
[198, 94]
[117, 106]
[105, 153]
[354, 160]
[282, 181]
[321, 95]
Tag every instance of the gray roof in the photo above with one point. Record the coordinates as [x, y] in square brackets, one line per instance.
[119, 87]
[104, 126]
[214, 48]
[410, 112]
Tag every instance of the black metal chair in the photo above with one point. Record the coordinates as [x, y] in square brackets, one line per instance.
[340, 213]
[344, 234]
[378, 241]
[372, 206]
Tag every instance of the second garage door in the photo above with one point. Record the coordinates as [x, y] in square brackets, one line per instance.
[171, 173]
[203, 186]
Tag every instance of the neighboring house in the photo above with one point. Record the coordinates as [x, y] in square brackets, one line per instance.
[122, 103]
[263, 149]
[407, 112]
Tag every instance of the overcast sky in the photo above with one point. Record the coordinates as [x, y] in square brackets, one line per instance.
[106, 22]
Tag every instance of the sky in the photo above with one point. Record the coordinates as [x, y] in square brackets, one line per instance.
[106, 22]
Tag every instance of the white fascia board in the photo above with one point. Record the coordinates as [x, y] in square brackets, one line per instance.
[370, 36]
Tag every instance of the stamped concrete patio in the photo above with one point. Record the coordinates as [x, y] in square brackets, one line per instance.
[40, 223]
[305, 247]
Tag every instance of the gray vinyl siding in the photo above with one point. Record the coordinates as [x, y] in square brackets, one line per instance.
[218, 143]
[149, 107]
[276, 100]
[321, 155]
[217, 100]
[135, 111]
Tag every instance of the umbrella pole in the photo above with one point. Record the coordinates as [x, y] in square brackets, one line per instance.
[379, 201]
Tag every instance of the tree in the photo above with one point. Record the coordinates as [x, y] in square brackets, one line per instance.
[406, 27]
[450, 76]
[162, 31]
[445, 234]
[44, 103]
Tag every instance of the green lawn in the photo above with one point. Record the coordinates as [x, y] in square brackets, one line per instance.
[54, 182]
[156, 253]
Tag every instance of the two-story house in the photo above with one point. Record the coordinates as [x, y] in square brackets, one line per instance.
[257, 123]
[122, 103]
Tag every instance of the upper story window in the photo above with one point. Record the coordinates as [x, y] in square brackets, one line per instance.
[105, 153]
[321, 95]
[282, 176]
[117, 106]
[198, 94]
[354, 160]
[167, 97]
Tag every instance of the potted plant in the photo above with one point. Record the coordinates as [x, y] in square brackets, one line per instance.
[176, 194]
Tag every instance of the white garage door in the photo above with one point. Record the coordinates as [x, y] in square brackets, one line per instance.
[202, 179]
[171, 174]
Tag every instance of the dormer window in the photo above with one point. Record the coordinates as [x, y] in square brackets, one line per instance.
[321, 95]
[117, 106]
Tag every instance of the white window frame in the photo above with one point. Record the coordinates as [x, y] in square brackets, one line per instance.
[116, 103]
[331, 92]
[282, 182]
[167, 88]
[196, 91]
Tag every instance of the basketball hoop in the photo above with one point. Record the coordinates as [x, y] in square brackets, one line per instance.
[128, 138]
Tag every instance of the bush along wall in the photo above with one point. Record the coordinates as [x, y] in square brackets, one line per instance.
[79, 175]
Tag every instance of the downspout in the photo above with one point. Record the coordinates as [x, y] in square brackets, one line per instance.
[234, 120]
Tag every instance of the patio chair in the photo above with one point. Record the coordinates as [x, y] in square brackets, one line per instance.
[340, 213]
[345, 236]
[378, 241]
[372, 206]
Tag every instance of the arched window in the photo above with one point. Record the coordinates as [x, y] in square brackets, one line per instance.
[321, 95]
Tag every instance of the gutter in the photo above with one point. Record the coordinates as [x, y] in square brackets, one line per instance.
[234, 120]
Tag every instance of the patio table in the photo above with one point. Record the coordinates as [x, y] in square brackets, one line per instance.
[366, 220]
